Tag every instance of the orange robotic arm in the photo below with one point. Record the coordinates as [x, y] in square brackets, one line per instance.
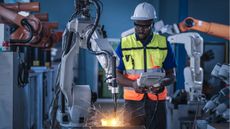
[31, 6]
[214, 29]
[28, 27]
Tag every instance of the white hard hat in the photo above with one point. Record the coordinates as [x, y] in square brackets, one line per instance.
[144, 11]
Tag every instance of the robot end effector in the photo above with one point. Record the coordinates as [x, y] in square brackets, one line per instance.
[194, 73]
[189, 23]
[214, 29]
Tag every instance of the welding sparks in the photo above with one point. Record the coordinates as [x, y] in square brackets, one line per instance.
[109, 119]
[111, 122]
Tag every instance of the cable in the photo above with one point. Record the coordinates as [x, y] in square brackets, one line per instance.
[24, 22]
[73, 16]
[53, 110]
[198, 106]
[54, 104]
[98, 14]
[102, 6]
[155, 112]
[96, 22]
[21, 75]
[21, 72]
[69, 43]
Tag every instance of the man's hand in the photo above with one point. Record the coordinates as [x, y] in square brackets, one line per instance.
[160, 86]
[157, 90]
[166, 81]
[137, 88]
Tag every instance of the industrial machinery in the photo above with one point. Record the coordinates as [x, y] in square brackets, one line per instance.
[27, 91]
[214, 29]
[222, 72]
[27, 26]
[31, 30]
[31, 34]
[194, 73]
[218, 105]
[5, 37]
[196, 50]
[82, 32]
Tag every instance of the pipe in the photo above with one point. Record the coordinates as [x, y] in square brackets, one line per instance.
[30, 7]
[50, 25]
[42, 16]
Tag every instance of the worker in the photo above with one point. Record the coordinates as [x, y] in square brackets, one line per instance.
[144, 51]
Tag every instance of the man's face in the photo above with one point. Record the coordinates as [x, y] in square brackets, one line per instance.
[143, 28]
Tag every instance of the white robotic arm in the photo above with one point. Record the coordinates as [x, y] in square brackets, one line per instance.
[194, 73]
[74, 37]
[81, 32]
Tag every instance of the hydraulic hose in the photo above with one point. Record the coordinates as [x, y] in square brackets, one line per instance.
[98, 14]
[25, 23]
[69, 42]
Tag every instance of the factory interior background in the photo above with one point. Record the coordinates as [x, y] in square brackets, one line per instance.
[39, 91]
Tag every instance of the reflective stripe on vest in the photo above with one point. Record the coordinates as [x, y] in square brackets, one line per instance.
[133, 57]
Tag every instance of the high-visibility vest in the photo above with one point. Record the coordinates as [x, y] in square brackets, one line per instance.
[138, 59]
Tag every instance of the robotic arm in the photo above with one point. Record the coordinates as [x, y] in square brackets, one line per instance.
[194, 73]
[218, 105]
[82, 32]
[216, 101]
[32, 6]
[30, 31]
[28, 27]
[194, 47]
[214, 29]
[76, 32]
[189, 23]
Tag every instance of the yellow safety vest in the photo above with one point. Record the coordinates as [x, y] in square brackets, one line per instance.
[138, 59]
